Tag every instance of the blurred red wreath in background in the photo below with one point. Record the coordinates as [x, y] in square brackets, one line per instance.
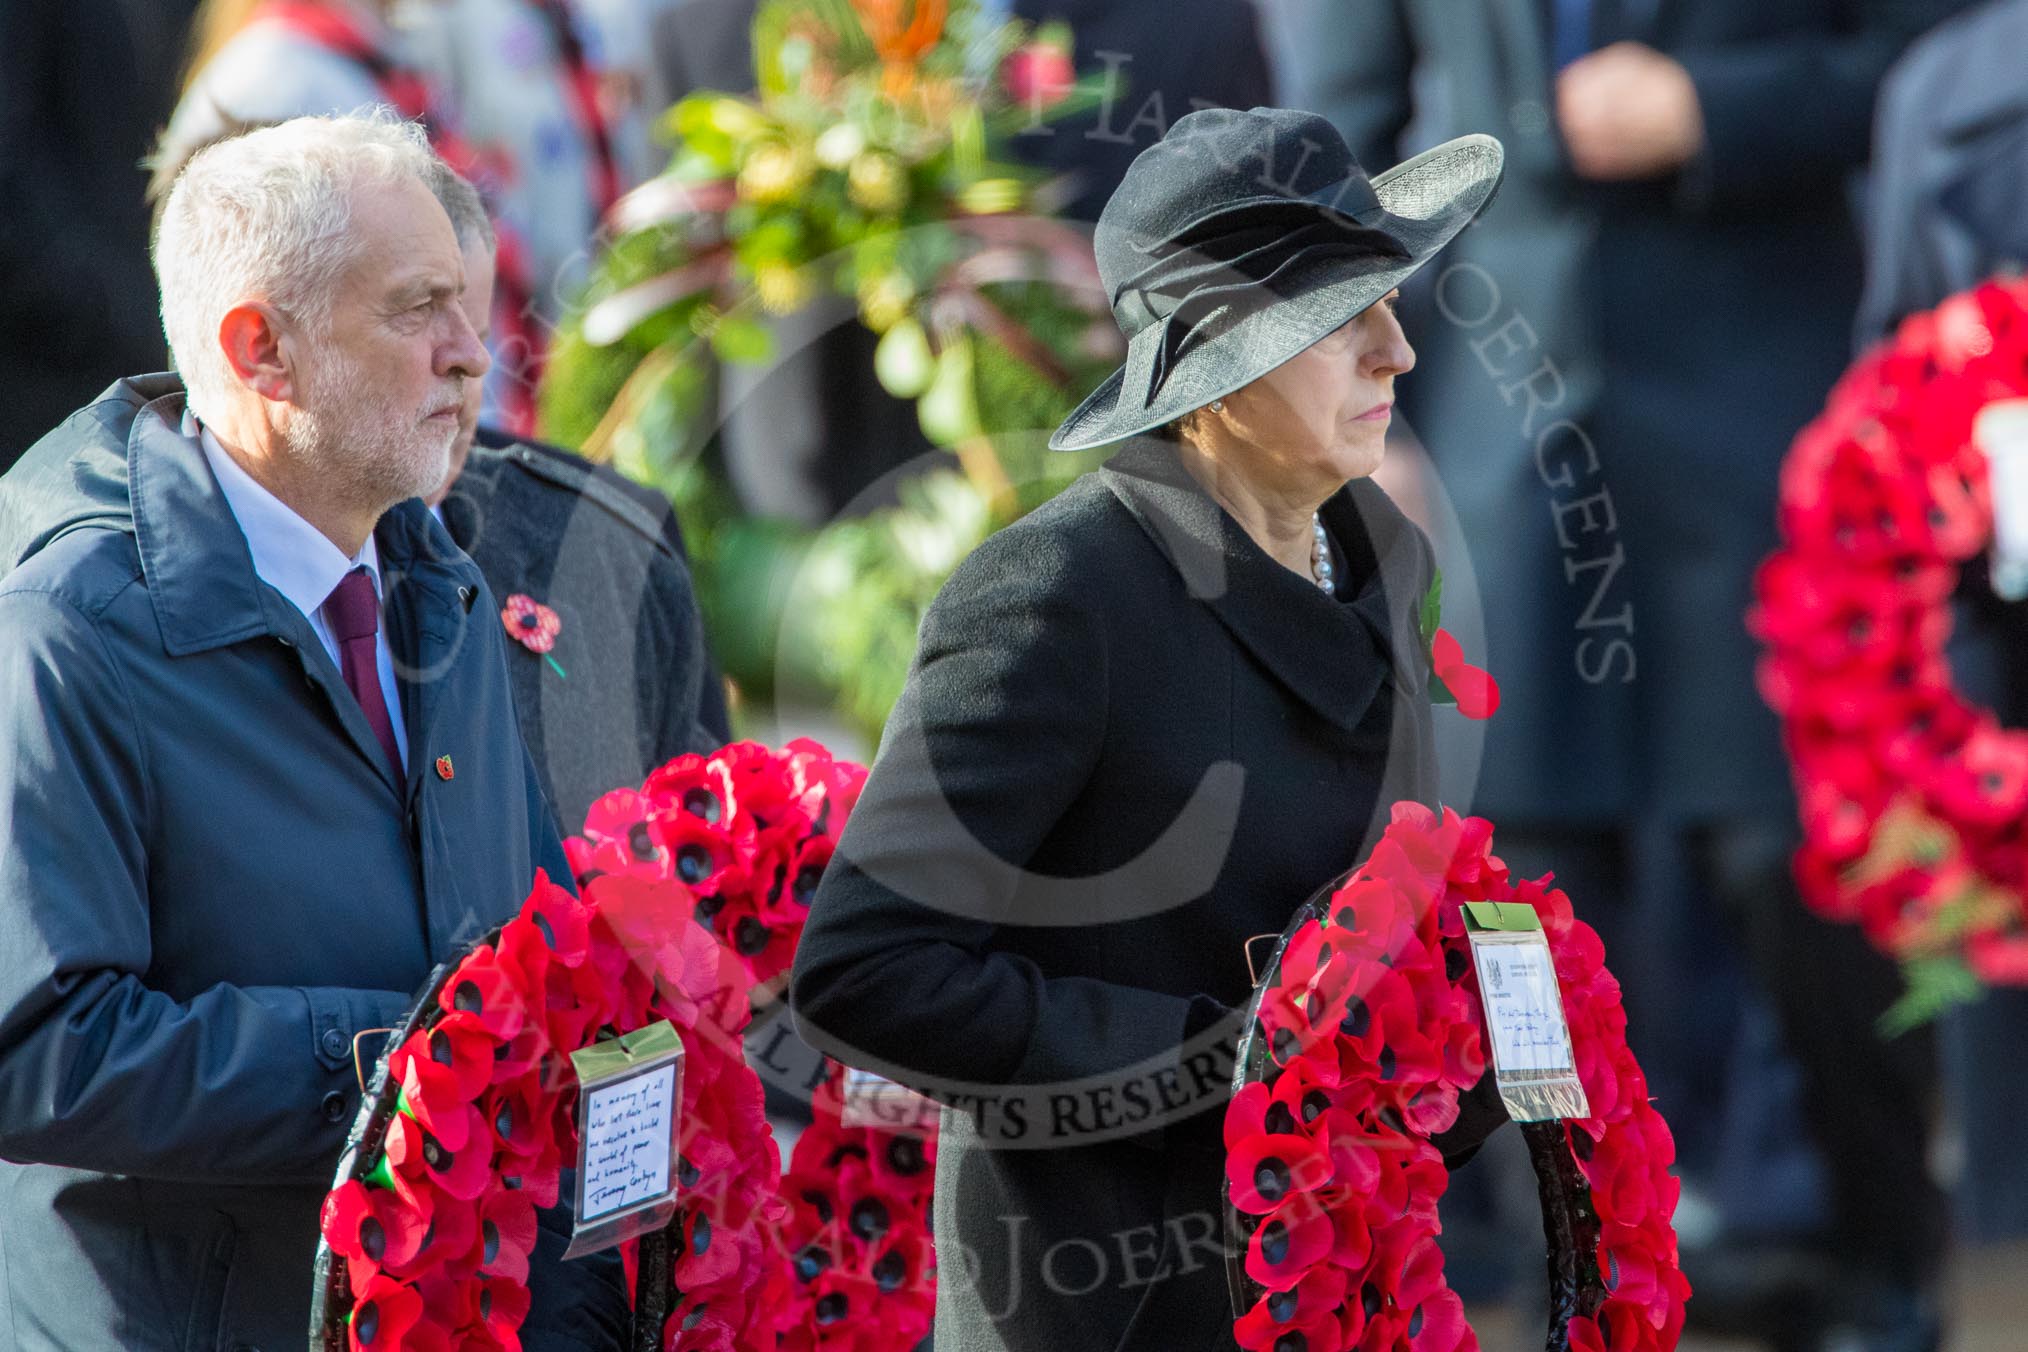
[1914, 801]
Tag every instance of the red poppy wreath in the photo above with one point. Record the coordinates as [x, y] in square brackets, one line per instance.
[693, 890]
[1914, 801]
[1364, 1030]
[428, 1229]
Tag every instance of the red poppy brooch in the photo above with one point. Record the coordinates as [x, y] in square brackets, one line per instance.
[533, 625]
[1453, 680]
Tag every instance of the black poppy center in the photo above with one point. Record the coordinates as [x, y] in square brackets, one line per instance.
[1292, 1341]
[1271, 1179]
[489, 1235]
[891, 1271]
[1284, 1044]
[1314, 1104]
[366, 1323]
[805, 885]
[1279, 1120]
[869, 1218]
[693, 863]
[700, 1235]
[1415, 1322]
[503, 1121]
[1387, 1063]
[905, 1156]
[831, 1308]
[1369, 1299]
[749, 936]
[812, 1262]
[1454, 964]
[528, 620]
[1357, 1019]
[1274, 1243]
[548, 931]
[640, 842]
[687, 1173]
[486, 1302]
[372, 1238]
[702, 803]
[435, 1155]
[1282, 1305]
[468, 998]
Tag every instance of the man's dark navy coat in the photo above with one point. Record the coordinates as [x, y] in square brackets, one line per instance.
[211, 881]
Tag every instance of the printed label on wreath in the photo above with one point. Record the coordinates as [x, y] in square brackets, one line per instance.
[1527, 1035]
[2002, 434]
[871, 1101]
[630, 1096]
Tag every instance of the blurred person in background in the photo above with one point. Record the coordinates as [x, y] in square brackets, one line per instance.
[1659, 305]
[84, 85]
[632, 686]
[510, 99]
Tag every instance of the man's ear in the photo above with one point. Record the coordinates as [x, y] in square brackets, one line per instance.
[260, 350]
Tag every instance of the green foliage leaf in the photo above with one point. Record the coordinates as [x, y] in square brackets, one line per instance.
[1432, 609]
[949, 409]
[1934, 985]
[741, 339]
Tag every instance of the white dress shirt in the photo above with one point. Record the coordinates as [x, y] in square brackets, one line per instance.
[300, 562]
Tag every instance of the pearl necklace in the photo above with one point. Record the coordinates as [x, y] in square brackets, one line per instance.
[1320, 556]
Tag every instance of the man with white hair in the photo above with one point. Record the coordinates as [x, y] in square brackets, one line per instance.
[258, 761]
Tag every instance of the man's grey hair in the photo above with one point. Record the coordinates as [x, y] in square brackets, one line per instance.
[266, 217]
[462, 203]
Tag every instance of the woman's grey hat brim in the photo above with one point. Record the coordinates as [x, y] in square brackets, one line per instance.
[1427, 200]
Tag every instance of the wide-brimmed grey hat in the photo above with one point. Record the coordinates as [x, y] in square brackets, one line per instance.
[1241, 238]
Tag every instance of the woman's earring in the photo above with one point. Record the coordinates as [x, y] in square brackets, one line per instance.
[1218, 406]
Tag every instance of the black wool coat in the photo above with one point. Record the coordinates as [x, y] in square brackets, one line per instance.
[1131, 741]
[605, 554]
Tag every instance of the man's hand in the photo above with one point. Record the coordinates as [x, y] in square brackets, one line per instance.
[1628, 112]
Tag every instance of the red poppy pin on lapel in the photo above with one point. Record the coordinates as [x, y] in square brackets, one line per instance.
[534, 626]
[445, 770]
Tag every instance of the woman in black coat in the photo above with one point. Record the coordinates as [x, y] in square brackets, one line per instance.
[1144, 724]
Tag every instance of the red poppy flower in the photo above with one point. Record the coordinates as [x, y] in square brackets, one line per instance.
[506, 1235]
[462, 1173]
[1289, 1242]
[383, 1315]
[530, 623]
[372, 1229]
[481, 989]
[1476, 692]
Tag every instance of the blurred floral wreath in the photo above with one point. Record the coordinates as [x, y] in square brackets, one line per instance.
[1368, 1026]
[1914, 801]
[862, 168]
[693, 895]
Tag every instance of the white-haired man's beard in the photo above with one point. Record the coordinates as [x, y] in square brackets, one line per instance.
[356, 433]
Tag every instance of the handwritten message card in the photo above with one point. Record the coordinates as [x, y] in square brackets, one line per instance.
[1523, 1013]
[626, 1142]
[630, 1093]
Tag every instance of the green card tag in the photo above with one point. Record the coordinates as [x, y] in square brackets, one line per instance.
[1508, 916]
[603, 1059]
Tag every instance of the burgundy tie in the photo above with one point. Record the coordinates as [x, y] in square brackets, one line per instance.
[353, 612]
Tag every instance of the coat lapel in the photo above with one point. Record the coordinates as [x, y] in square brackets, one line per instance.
[429, 585]
[1333, 654]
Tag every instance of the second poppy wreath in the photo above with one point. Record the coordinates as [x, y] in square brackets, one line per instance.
[1362, 1033]
[1914, 799]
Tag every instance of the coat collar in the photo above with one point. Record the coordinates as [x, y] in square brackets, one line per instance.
[1332, 653]
[200, 573]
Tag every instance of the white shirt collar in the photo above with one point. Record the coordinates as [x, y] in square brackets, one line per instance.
[289, 554]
